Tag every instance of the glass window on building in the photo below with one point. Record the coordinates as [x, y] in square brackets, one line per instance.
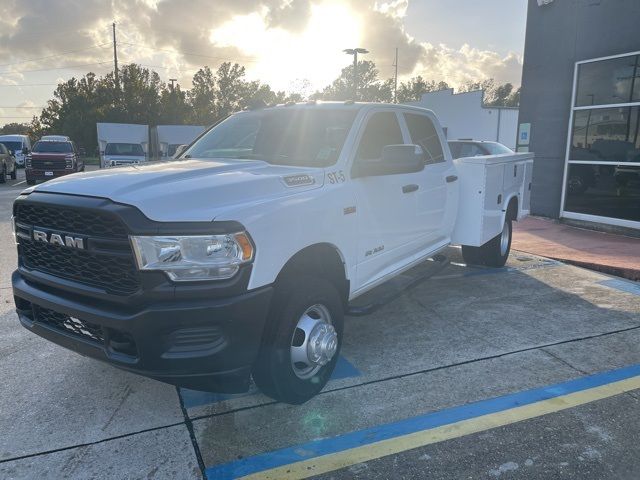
[608, 82]
[603, 171]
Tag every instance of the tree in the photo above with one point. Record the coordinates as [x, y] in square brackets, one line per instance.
[370, 87]
[174, 107]
[14, 128]
[231, 92]
[201, 97]
[413, 89]
[494, 95]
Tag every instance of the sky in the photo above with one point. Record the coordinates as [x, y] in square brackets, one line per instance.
[285, 43]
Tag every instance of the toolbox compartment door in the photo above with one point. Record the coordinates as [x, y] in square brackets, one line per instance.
[486, 185]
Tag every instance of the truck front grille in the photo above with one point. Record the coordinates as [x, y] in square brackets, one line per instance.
[93, 224]
[107, 261]
[48, 163]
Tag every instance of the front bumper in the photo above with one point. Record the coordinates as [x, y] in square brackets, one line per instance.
[33, 174]
[193, 341]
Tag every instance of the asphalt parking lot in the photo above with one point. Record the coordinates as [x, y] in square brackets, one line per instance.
[530, 371]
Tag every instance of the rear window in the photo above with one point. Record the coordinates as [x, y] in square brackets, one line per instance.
[52, 147]
[496, 148]
[134, 149]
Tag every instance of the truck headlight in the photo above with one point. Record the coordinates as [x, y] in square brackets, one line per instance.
[192, 258]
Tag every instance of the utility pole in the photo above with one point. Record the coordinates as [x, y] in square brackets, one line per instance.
[115, 58]
[395, 79]
[355, 52]
[173, 81]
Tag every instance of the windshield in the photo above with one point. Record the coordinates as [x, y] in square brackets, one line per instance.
[12, 146]
[133, 149]
[53, 147]
[496, 148]
[297, 136]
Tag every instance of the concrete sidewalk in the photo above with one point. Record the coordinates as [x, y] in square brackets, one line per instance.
[614, 254]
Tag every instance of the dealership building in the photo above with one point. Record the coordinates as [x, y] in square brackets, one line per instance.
[580, 110]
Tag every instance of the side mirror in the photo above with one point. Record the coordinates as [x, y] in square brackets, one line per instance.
[180, 150]
[25, 151]
[396, 159]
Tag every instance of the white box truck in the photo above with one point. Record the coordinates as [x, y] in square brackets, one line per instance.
[167, 138]
[122, 144]
[242, 257]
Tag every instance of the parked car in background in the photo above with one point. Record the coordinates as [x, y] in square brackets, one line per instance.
[52, 158]
[19, 145]
[7, 164]
[473, 148]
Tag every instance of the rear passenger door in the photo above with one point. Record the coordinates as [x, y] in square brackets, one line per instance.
[437, 197]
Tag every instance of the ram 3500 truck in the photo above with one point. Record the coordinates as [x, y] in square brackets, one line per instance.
[241, 258]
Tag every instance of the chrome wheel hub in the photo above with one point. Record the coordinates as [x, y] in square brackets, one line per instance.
[314, 342]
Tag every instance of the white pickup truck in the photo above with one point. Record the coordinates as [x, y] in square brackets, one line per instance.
[241, 258]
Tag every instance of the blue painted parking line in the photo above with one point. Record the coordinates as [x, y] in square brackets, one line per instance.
[196, 398]
[329, 454]
[622, 285]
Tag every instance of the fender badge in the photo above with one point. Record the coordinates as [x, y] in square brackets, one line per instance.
[299, 180]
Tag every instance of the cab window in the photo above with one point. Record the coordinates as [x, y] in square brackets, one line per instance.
[382, 129]
[424, 133]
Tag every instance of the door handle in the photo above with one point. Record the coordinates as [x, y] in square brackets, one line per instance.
[451, 178]
[410, 188]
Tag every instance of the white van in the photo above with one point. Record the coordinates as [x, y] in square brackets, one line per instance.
[16, 145]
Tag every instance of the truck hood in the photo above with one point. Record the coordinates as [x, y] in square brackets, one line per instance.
[188, 190]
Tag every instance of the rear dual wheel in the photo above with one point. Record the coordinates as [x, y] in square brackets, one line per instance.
[495, 252]
[301, 341]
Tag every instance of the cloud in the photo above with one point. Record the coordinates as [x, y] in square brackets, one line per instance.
[440, 62]
[177, 36]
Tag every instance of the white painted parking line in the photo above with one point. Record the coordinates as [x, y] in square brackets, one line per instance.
[19, 183]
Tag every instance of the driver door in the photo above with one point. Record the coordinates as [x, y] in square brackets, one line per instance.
[385, 204]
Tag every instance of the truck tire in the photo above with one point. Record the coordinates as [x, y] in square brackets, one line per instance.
[301, 341]
[31, 181]
[3, 174]
[14, 174]
[495, 252]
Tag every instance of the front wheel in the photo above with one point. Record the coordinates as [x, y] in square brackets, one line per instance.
[3, 174]
[14, 174]
[495, 252]
[301, 342]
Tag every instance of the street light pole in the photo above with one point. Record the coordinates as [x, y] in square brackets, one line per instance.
[355, 52]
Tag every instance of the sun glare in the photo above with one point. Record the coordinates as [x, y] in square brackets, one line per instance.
[278, 57]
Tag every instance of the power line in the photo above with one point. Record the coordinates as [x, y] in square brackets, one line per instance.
[55, 68]
[29, 85]
[20, 107]
[244, 59]
[53, 56]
